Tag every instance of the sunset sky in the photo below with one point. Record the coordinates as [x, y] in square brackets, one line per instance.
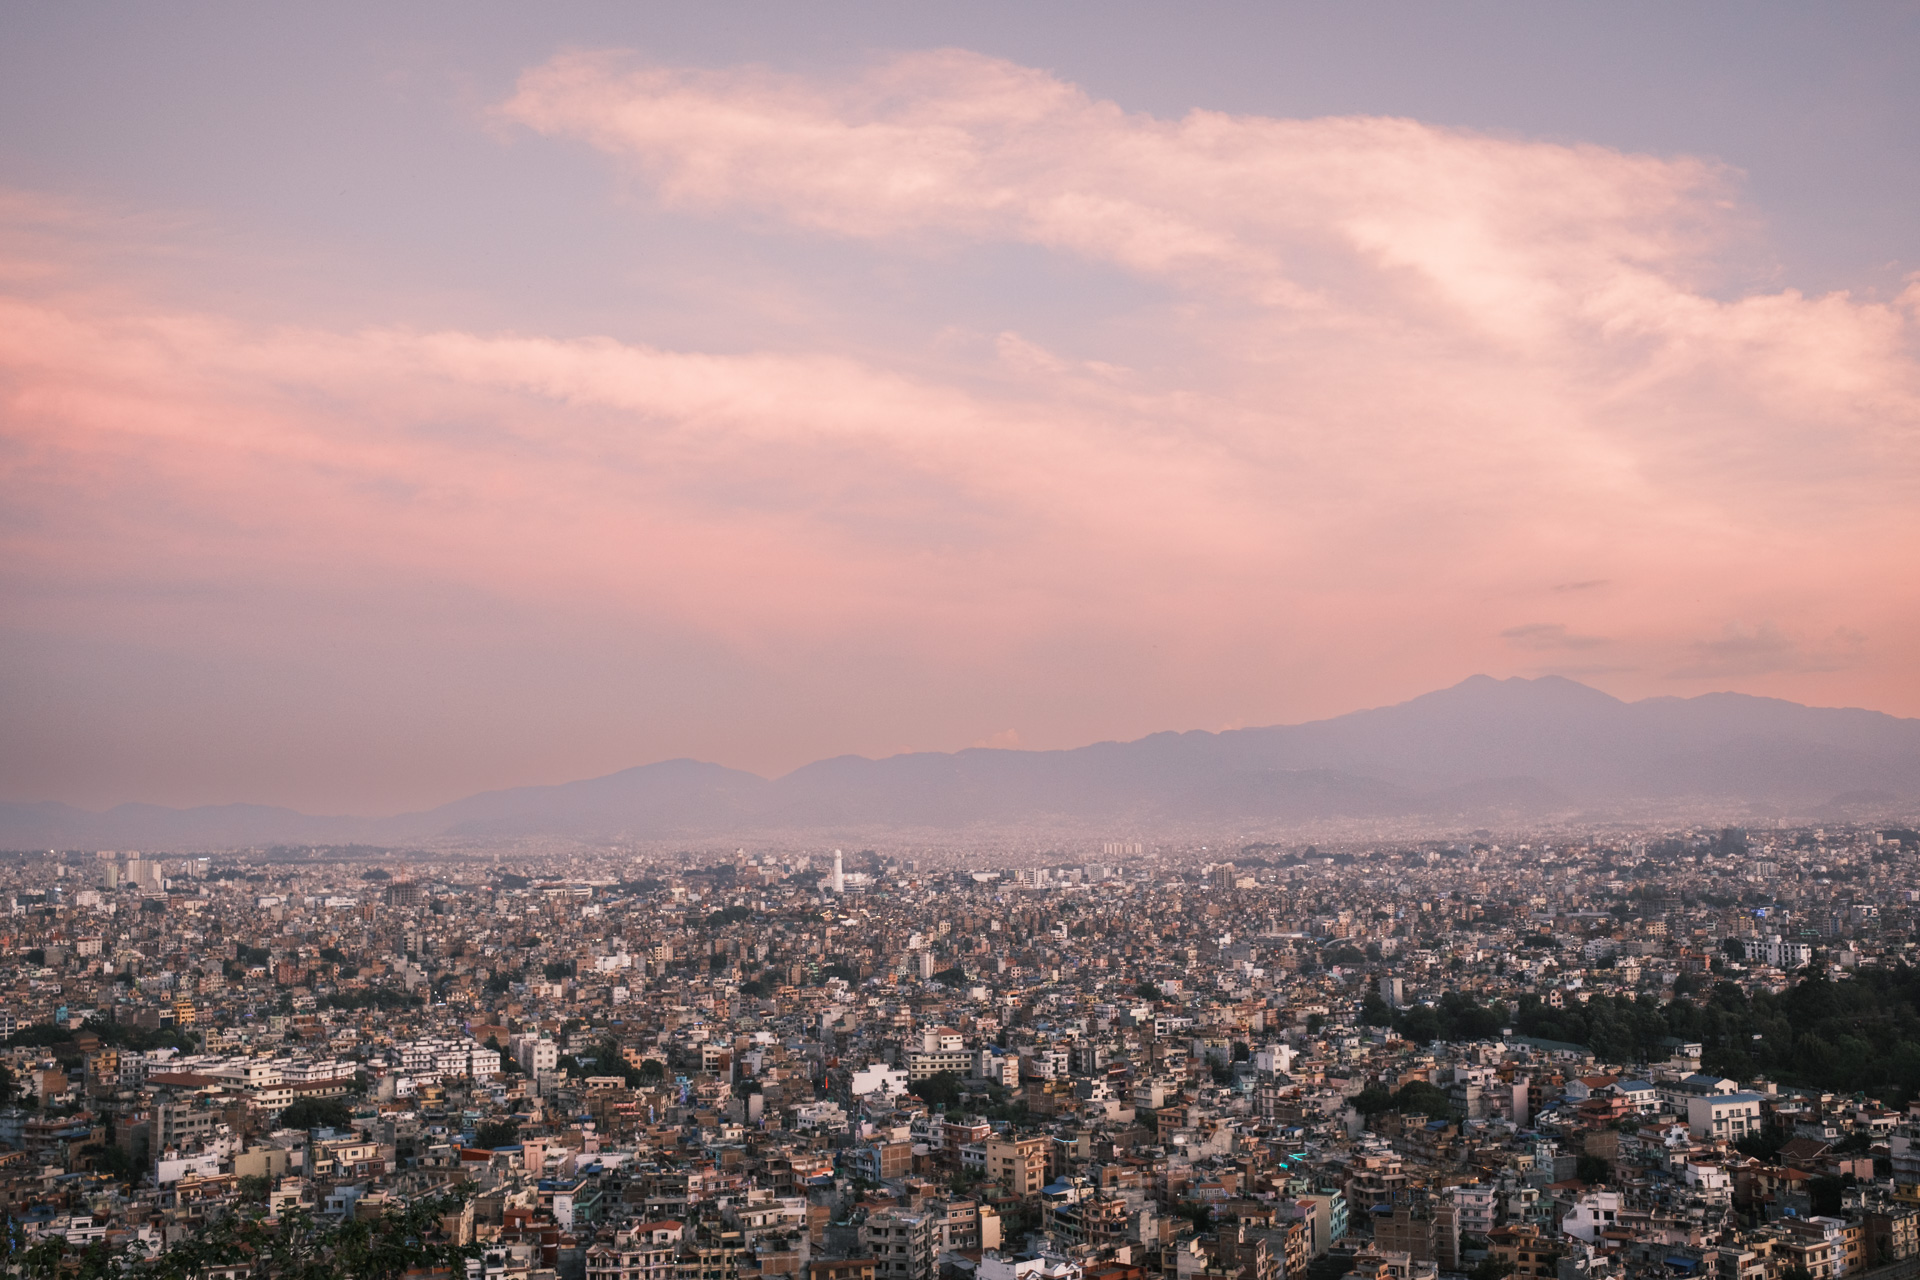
[401, 401]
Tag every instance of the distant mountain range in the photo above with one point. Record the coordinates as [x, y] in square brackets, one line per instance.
[1484, 752]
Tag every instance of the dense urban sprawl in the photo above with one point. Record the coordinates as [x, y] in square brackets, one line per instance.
[1680, 1053]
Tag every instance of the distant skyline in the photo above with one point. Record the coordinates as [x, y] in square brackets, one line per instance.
[396, 405]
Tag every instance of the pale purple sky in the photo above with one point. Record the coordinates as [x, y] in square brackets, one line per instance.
[395, 404]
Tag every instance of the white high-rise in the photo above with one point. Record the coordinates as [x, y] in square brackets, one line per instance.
[839, 875]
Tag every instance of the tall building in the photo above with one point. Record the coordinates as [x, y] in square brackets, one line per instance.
[144, 874]
[839, 882]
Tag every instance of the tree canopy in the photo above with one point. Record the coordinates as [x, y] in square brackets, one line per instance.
[316, 1113]
[295, 1245]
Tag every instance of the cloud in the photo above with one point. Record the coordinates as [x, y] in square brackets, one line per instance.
[1363, 243]
[954, 143]
[1388, 379]
[1549, 635]
[1763, 649]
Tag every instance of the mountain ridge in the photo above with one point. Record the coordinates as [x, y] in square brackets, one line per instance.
[1483, 749]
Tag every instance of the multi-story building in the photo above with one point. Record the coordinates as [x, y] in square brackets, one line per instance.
[1017, 1164]
[534, 1053]
[903, 1244]
[1730, 1116]
[646, 1252]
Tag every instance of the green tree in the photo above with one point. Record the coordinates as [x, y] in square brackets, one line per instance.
[1826, 1193]
[297, 1246]
[1421, 1098]
[114, 1163]
[316, 1113]
[496, 1134]
[1420, 1024]
[1201, 1215]
[43, 1260]
[941, 1089]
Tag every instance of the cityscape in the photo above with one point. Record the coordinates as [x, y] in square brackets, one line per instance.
[1237, 640]
[1673, 1052]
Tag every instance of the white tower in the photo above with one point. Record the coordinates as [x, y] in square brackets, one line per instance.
[839, 876]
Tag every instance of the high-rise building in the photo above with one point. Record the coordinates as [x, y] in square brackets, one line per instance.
[144, 874]
[839, 882]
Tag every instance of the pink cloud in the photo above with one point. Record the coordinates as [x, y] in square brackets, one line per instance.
[955, 143]
[1393, 242]
[1416, 390]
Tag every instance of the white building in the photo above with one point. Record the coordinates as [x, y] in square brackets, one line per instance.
[1274, 1060]
[1777, 951]
[1731, 1116]
[1594, 1212]
[820, 1115]
[878, 1077]
[534, 1053]
[998, 1066]
[1474, 1207]
[1046, 1266]
[433, 1059]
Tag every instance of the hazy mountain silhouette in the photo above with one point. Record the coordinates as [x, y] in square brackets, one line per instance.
[1483, 750]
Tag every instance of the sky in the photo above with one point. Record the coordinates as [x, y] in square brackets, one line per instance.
[402, 401]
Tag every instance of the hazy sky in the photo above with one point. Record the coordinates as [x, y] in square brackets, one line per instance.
[397, 401]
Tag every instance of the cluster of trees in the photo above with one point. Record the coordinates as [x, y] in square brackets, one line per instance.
[495, 1134]
[376, 998]
[610, 1060]
[316, 1113]
[293, 1246]
[1862, 1034]
[941, 1090]
[1456, 1017]
[118, 1035]
[1415, 1098]
[645, 884]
